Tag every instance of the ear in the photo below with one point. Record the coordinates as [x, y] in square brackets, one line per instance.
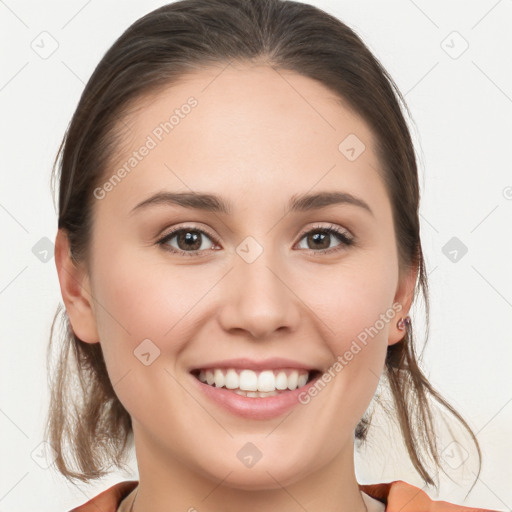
[75, 290]
[404, 296]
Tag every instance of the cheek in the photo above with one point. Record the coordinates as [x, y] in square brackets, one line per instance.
[147, 292]
[353, 310]
[351, 298]
[138, 299]
[144, 322]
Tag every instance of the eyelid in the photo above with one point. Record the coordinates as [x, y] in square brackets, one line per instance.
[329, 228]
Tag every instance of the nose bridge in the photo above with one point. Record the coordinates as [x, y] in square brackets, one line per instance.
[259, 300]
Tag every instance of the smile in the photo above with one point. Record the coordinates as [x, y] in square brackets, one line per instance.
[255, 384]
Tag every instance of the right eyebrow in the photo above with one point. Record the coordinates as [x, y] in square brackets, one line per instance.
[206, 202]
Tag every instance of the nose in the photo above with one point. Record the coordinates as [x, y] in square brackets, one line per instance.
[259, 300]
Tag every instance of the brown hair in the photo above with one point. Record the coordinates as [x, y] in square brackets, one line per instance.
[154, 52]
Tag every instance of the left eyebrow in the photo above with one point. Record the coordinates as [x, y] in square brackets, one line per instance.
[216, 204]
[306, 202]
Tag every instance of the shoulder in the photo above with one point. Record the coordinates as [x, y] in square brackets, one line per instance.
[108, 500]
[399, 496]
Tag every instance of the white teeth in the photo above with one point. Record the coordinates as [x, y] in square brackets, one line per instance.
[266, 381]
[281, 381]
[302, 380]
[254, 384]
[231, 381]
[293, 379]
[260, 394]
[248, 381]
[219, 378]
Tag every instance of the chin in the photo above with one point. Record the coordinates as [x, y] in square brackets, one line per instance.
[264, 475]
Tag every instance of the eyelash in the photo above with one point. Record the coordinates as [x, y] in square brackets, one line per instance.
[345, 240]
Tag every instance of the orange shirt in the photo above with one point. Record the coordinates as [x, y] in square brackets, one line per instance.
[398, 496]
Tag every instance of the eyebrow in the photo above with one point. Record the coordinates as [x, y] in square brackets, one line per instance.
[212, 203]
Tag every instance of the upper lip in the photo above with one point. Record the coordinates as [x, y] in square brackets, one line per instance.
[250, 364]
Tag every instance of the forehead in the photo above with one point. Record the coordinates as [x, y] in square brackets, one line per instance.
[245, 128]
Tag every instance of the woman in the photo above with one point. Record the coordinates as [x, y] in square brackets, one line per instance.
[238, 252]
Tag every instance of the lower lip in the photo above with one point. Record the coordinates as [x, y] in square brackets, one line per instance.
[256, 408]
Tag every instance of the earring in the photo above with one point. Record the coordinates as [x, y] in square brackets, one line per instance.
[403, 323]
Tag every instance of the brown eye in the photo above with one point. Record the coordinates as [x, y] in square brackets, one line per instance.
[191, 240]
[319, 239]
[187, 241]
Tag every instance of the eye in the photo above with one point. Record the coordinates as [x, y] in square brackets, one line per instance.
[189, 240]
[318, 239]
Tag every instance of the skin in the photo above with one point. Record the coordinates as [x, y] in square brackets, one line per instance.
[257, 137]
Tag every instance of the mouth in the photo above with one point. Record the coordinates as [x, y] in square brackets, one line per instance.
[256, 383]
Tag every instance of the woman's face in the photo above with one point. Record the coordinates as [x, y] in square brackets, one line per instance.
[260, 282]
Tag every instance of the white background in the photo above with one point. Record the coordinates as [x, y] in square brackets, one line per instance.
[462, 112]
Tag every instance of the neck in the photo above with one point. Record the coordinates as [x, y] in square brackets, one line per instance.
[164, 482]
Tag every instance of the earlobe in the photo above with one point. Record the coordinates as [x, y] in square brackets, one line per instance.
[404, 296]
[75, 290]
